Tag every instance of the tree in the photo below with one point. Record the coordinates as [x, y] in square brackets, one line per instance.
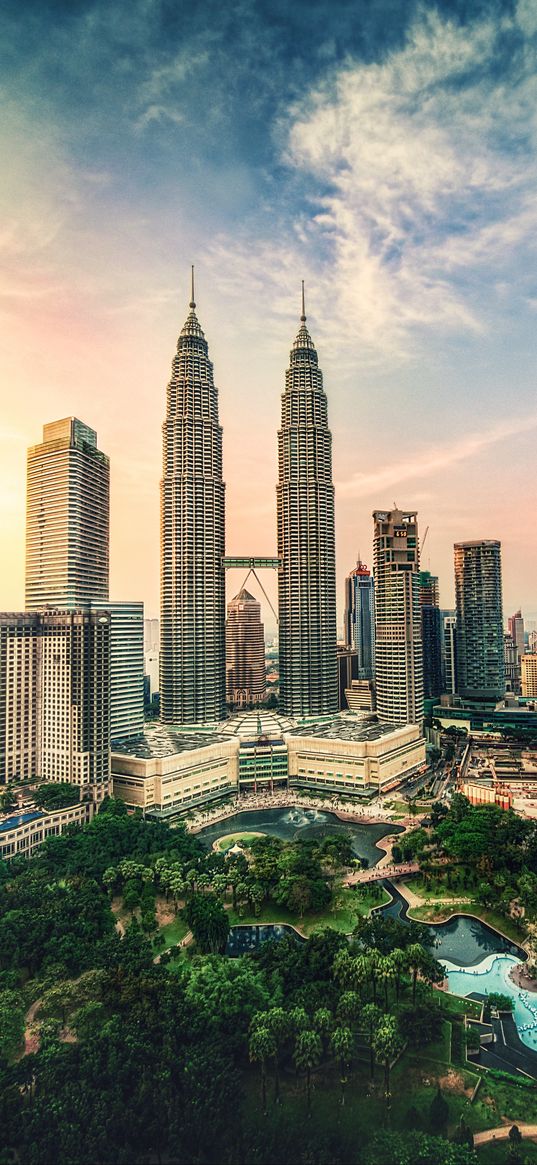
[439, 1111]
[387, 1044]
[208, 922]
[7, 801]
[371, 1017]
[415, 957]
[348, 1007]
[341, 1044]
[279, 1025]
[262, 1045]
[386, 973]
[307, 1055]
[11, 1023]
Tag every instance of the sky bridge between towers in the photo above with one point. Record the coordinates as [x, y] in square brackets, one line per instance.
[252, 565]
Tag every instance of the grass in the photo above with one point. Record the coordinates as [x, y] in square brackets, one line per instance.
[351, 907]
[228, 840]
[172, 933]
[457, 1005]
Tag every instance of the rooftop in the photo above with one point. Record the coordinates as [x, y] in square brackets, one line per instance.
[346, 728]
[160, 742]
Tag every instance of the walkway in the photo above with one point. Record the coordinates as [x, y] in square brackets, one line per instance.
[502, 1133]
[379, 873]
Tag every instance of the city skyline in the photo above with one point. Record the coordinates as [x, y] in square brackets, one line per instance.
[424, 321]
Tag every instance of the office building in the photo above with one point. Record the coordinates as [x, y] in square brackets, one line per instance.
[480, 645]
[347, 663]
[511, 665]
[192, 645]
[126, 667]
[359, 618]
[515, 627]
[67, 518]
[431, 634]
[529, 675]
[55, 698]
[245, 651]
[448, 629]
[398, 647]
[151, 672]
[306, 539]
[151, 635]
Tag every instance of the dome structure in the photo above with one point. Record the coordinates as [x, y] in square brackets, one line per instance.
[256, 724]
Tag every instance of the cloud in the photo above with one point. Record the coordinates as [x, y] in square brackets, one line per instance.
[433, 459]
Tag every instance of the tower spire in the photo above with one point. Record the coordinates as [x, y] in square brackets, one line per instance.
[303, 316]
[192, 303]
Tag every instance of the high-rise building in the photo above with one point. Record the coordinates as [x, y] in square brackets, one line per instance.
[529, 675]
[511, 665]
[192, 645]
[126, 667]
[306, 539]
[532, 642]
[398, 647]
[431, 634]
[515, 626]
[480, 646]
[347, 663]
[448, 628]
[151, 635]
[245, 650]
[55, 698]
[67, 517]
[359, 618]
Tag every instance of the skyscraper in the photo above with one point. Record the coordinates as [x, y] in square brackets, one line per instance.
[431, 634]
[398, 648]
[192, 654]
[67, 517]
[55, 698]
[478, 597]
[359, 618]
[306, 539]
[245, 650]
[515, 625]
[448, 627]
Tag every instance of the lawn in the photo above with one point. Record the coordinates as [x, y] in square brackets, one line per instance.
[172, 933]
[498, 1154]
[459, 1006]
[228, 840]
[350, 907]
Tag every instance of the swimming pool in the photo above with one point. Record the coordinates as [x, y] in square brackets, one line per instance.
[492, 975]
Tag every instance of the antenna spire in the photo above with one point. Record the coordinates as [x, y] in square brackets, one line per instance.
[192, 302]
[303, 316]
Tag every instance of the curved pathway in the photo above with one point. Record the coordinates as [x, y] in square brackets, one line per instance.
[502, 1133]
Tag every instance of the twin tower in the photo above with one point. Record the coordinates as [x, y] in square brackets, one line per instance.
[192, 657]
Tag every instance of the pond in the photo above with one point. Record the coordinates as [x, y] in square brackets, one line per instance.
[288, 824]
[242, 940]
[463, 940]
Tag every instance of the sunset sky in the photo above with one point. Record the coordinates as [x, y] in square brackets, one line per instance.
[383, 150]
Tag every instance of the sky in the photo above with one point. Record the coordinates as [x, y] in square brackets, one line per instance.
[385, 151]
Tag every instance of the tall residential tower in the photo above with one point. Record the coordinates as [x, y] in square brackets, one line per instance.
[192, 655]
[398, 648]
[67, 517]
[478, 597]
[306, 539]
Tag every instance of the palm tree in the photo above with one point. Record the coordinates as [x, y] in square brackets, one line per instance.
[348, 1007]
[386, 972]
[299, 1019]
[341, 1043]
[371, 1017]
[415, 957]
[342, 967]
[373, 963]
[307, 1055]
[360, 971]
[262, 1045]
[279, 1024]
[387, 1043]
[400, 963]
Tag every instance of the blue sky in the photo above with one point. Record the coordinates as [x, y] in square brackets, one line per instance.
[384, 151]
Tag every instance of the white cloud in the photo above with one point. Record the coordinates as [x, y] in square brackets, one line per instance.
[433, 459]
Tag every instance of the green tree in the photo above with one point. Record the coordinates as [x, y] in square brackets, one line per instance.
[387, 1043]
[348, 1007]
[11, 1023]
[307, 1056]
[371, 1017]
[439, 1111]
[208, 922]
[279, 1025]
[341, 1044]
[262, 1045]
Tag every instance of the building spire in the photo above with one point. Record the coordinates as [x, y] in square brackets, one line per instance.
[192, 303]
[303, 316]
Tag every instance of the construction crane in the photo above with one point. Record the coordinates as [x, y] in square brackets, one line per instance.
[424, 540]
